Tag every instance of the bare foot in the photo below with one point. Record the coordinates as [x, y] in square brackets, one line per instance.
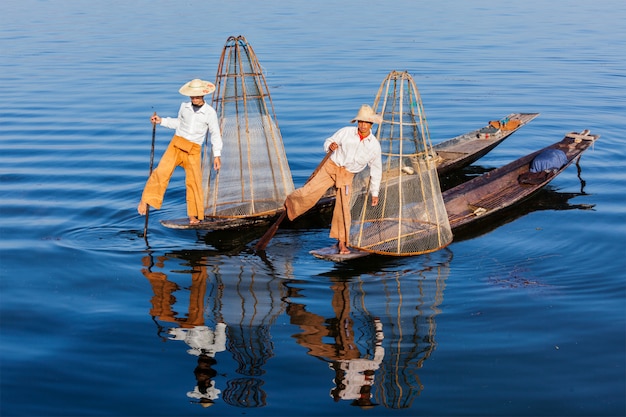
[142, 208]
[343, 249]
[193, 220]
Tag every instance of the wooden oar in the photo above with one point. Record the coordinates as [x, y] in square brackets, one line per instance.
[145, 228]
[265, 239]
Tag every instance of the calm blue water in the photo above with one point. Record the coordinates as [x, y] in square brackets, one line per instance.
[527, 317]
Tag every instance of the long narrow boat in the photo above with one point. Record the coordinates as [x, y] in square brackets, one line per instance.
[504, 187]
[481, 198]
[466, 149]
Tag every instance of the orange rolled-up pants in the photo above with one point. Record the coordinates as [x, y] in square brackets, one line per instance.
[180, 152]
[305, 197]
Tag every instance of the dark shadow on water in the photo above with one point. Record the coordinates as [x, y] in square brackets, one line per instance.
[375, 265]
[458, 177]
[547, 198]
[232, 242]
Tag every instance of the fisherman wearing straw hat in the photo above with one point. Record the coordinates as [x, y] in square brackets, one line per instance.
[354, 148]
[195, 119]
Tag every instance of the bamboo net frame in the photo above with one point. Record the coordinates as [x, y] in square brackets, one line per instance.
[255, 178]
[411, 217]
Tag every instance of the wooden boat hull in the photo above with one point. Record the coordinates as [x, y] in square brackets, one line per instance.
[486, 195]
[466, 149]
[224, 223]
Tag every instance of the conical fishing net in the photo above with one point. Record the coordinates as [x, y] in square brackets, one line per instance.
[254, 178]
[410, 217]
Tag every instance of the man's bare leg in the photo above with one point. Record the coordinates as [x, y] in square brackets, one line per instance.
[343, 248]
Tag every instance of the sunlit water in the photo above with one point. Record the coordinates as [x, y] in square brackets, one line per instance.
[524, 317]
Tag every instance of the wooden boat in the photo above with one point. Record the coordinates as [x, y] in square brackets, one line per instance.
[466, 149]
[481, 198]
[504, 187]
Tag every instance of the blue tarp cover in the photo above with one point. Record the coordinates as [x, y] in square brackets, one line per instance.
[548, 160]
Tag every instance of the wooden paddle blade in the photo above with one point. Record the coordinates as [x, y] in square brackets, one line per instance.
[265, 239]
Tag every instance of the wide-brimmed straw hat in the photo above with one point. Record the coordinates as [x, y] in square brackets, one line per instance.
[367, 114]
[197, 88]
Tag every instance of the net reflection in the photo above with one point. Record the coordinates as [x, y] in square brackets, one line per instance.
[380, 332]
[214, 306]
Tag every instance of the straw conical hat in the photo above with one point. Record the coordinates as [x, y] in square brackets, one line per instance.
[197, 88]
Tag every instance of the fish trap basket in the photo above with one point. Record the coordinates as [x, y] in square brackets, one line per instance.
[410, 218]
[254, 178]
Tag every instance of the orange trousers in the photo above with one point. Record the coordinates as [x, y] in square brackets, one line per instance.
[180, 152]
[305, 197]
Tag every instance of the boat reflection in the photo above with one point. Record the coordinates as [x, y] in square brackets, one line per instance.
[233, 314]
[380, 332]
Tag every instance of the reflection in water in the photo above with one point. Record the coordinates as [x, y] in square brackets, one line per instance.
[252, 303]
[354, 377]
[243, 308]
[355, 352]
[202, 340]
[410, 307]
[380, 332]
[375, 330]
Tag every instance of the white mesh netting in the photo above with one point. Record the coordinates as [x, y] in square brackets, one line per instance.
[255, 178]
[410, 217]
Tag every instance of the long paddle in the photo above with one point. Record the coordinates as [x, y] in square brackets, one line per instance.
[145, 228]
[265, 239]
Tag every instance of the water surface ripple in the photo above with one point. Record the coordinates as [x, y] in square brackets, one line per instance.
[524, 316]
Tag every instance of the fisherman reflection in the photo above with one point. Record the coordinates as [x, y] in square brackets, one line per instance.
[355, 377]
[202, 341]
[205, 392]
[354, 371]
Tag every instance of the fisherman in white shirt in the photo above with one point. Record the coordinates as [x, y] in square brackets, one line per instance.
[195, 119]
[354, 148]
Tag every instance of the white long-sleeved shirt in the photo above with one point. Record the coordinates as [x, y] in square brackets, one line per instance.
[193, 125]
[355, 154]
